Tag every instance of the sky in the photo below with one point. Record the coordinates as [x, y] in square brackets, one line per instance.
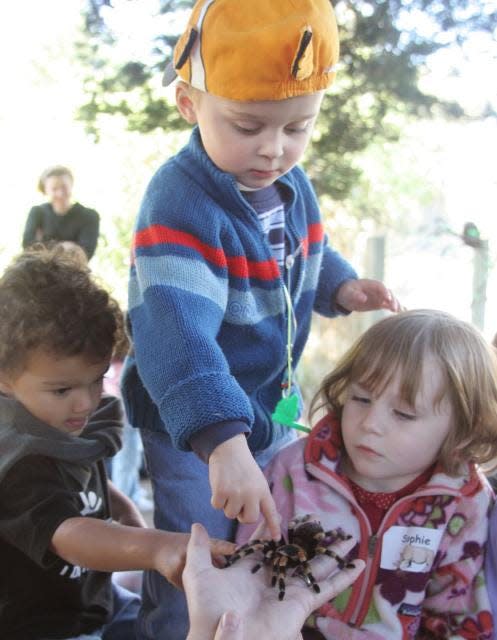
[37, 128]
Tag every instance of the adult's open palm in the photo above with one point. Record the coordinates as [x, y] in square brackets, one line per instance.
[250, 598]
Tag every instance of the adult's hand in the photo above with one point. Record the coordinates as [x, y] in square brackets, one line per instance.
[235, 604]
[230, 627]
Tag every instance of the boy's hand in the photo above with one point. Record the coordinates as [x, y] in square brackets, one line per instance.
[171, 557]
[239, 486]
[366, 295]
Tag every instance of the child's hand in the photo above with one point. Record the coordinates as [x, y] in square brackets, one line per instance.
[366, 295]
[239, 486]
[171, 557]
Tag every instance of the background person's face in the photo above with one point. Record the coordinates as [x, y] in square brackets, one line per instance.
[58, 190]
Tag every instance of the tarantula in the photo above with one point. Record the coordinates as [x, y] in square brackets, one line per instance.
[306, 539]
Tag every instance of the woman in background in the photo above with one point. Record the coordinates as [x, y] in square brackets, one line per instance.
[60, 219]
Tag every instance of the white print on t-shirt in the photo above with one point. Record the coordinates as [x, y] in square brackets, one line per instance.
[76, 571]
[91, 502]
[410, 548]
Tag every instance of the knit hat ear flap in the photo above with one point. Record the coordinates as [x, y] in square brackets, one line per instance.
[302, 65]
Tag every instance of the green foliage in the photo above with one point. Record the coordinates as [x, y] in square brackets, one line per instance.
[384, 45]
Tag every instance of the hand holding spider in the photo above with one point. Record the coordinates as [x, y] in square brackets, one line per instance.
[250, 598]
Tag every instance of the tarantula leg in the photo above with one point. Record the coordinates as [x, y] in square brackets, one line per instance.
[336, 534]
[299, 520]
[310, 579]
[246, 550]
[339, 560]
[275, 572]
[268, 556]
[281, 577]
[239, 554]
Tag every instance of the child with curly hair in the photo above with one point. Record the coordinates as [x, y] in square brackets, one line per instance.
[57, 539]
[410, 414]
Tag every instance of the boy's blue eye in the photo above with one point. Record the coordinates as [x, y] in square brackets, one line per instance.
[62, 391]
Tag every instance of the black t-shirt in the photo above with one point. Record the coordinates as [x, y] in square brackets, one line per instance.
[41, 595]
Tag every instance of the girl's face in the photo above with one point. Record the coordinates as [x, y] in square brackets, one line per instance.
[58, 190]
[388, 442]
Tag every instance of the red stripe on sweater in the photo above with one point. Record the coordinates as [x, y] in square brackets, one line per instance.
[237, 266]
[240, 267]
[315, 232]
[159, 234]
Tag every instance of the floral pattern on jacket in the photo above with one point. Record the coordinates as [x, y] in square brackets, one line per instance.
[424, 566]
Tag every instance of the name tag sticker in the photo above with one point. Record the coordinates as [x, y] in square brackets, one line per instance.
[410, 548]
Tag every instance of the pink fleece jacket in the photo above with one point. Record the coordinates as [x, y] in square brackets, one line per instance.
[424, 566]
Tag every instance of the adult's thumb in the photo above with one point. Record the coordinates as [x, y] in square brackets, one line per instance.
[198, 555]
[229, 627]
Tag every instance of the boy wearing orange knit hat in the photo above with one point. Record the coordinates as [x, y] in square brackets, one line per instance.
[229, 261]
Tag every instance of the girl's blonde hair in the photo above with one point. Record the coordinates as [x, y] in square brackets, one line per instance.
[402, 343]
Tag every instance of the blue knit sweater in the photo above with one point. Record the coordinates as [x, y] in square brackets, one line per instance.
[206, 300]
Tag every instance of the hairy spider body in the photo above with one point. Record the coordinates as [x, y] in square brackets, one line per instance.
[306, 540]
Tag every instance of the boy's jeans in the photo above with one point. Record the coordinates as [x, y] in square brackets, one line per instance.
[182, 495]
[126, 464]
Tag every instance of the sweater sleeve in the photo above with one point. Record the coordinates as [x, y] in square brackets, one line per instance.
[31, 227]
[178, 294]
[205, 441]
[457, 603]
[335, 270]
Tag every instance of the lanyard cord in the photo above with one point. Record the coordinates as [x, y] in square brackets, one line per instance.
[291, 326]
[291, 323]
[287, 409]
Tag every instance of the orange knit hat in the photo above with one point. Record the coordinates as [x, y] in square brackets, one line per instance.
[257, 49]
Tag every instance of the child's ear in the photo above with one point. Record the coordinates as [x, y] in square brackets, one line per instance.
[185, 103]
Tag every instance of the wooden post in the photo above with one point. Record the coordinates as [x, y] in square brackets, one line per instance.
[374, 267]
[480, 278]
